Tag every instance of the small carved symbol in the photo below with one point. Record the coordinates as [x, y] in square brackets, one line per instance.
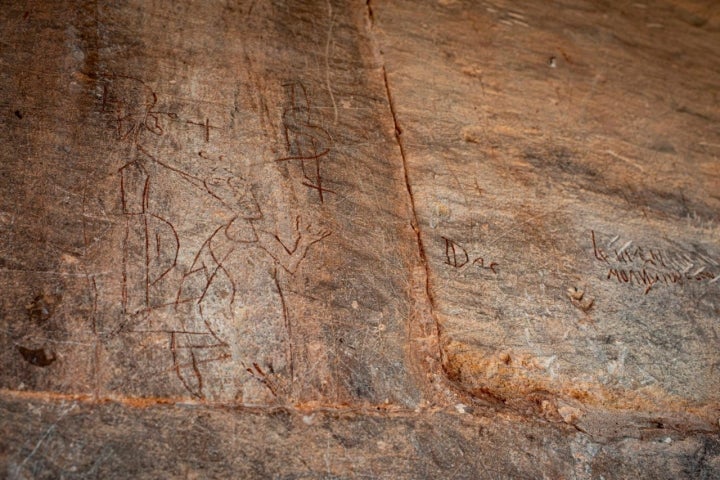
[306, 141]
[579, 300]
[455, 255]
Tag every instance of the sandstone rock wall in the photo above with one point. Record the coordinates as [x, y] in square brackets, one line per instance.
[360, 240]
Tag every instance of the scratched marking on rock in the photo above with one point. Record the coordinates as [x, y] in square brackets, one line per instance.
[631, 264]
[203, 298]
[213, 283]
[306, 141]
[457, 257]
[151, 242]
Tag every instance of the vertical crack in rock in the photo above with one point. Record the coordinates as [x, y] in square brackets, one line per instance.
[414, 223]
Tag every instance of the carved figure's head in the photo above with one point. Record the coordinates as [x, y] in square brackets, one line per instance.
[131, 102]
[235, 193]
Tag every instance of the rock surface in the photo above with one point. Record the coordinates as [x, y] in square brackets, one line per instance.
[340, 240]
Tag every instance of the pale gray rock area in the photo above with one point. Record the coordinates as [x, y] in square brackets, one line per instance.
[384, 239]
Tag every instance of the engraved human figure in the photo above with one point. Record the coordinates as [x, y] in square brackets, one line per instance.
[232, 290]
[150, 244]
[229, 329]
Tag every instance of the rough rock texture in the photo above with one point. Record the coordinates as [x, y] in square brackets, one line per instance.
[349, 240]
[565, 178]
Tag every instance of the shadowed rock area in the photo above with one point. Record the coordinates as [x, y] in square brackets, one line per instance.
[446, 239]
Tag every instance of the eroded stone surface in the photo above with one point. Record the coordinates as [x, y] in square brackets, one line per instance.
[112, 441]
